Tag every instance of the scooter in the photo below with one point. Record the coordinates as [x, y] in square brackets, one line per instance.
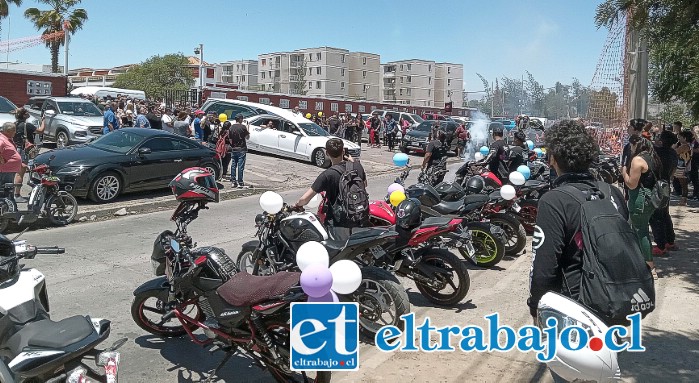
[32, 346]
[45, 200]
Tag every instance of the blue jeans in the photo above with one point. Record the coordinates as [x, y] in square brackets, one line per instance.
[237, 162]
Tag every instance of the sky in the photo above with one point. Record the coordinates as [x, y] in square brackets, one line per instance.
[555, 40]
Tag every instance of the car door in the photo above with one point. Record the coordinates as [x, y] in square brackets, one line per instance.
[50, 123]
[189, 151]
[157, 167]
[290, 140]
[264, 139]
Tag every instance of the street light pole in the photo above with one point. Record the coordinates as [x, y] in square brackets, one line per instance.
[200, 51]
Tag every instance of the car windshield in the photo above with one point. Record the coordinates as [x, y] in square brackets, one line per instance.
[6, 106]
[84, 108]
[118, 141]
[417, 118]
[313, 130]
[425, 126]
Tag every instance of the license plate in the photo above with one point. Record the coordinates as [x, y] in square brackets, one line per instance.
[516, 207]
[155, 265]
[377, 252]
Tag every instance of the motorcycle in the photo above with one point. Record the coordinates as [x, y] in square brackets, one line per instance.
[381, 297]
[608, 170]
[45, 200]
[434, 174]
[34, 348]
[201, 289]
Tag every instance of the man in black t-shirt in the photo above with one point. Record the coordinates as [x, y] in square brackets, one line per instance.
[517, 155]
[154, 120]
[329, 180]
[237, 137]
[497, 155]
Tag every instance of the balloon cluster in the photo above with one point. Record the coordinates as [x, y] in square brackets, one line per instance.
[530, 144]
[396, 194]
[539, 152]
[320, 282]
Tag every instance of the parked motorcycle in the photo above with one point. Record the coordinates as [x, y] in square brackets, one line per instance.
[34, 348]
[434, 174]
[201, 289]
[47, 199]
[381, 297]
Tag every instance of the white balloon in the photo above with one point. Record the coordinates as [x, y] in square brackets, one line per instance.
[271, 202]
[346, 276]
[314, 202]
[311, 253]
[517, 178]
[508, 192]
[478, 156]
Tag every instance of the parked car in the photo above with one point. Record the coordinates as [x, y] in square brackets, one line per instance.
[435, 117]
[417, 138]
[68, 120]
[507, 124]
[294, 136]
[414, 119]
[126, 160]
[7, 109]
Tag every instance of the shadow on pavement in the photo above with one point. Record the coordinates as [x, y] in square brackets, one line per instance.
[417, 299]
[669, 357]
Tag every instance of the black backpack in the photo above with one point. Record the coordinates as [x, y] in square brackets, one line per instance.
[615, 280]
[351, 209]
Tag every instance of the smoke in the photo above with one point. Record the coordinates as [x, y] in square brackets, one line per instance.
[479, 133]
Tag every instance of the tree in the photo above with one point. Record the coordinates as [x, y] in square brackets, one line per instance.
[54, 20]
[671, 28]
[299, 86]
[5, 10]
[158, 75]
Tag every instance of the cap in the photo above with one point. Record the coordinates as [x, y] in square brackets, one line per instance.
[198, 112]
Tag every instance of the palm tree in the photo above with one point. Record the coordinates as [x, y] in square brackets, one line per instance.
[5, 9]
[53, 20]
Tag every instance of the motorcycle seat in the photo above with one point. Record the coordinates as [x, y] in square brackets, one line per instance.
[244, 289]
[475, 201]
[435, 221]
[446, 207]
[48, 334]
[534, 185]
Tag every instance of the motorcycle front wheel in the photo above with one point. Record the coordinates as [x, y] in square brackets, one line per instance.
[450, 283]
[61, 209]
[490, 249]
[280, 334]
[148, 308]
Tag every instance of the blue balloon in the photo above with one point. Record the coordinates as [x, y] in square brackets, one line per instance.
[400, 159]
[539, 152]
[526, 172]
[530, 144]
[484, 150]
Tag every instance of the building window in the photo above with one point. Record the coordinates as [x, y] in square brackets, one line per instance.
[284, 103]
[366, 88]
[401, 80]
[310, 85]
[264, 62]
[264, 100]
[401, 91]
[317, 84]
[348, 108]
[263, 75]
[343, 59]
[361, 108]
[409, 79]
[318, 71]
[449, 82]
[310, 57]
[334, 106]
[270, 74]
[243, 66]
[410, 66]
[319, 105]
[318, 56]
[242, 98]
[363, 60]
[429, 92]
[407, 91]
[342, 72]
[429, 81]
[363, 74]
[238, 67]
[401, 67]
[242, 78]
[448, 70]
[342, 85]
[310, 71]
[429, 68]
[303, 105]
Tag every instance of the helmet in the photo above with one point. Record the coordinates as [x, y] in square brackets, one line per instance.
[408, 214]
[195, 184]
[475, 185]
[520, 136]
[584, 364]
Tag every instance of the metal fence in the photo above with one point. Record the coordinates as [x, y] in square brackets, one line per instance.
[190, 97]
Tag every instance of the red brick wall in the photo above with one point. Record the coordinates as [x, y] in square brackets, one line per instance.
[13, 85]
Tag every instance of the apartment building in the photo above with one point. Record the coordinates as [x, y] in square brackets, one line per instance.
[409, 82]
[365, 76]
[448, 84]
[239, 72]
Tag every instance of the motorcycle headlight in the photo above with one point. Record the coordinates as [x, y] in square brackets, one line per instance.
[72, 171]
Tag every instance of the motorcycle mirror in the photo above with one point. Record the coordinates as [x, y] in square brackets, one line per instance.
[175, 245]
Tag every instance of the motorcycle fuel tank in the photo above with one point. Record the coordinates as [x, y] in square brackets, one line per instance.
[426, 194]
[301, 228]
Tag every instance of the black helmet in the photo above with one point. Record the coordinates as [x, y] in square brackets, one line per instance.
[195, 184]
[475, 185]
[408, 214]
[520, 136]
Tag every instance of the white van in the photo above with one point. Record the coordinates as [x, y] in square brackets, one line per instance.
[103, 91]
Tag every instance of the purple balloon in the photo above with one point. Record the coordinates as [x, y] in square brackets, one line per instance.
[395, 186]
[316, 280]
[329, 297]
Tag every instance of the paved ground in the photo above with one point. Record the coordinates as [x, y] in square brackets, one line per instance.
[106, 261]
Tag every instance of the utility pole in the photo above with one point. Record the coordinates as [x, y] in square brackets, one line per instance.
[492, 100]
[521, 105]
[200, 51]
[67, 37]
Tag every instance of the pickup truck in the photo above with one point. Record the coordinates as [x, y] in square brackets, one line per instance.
[68, 120]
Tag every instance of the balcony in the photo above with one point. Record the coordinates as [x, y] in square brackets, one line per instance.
[296, 64]
[389, 74]
[293, 77]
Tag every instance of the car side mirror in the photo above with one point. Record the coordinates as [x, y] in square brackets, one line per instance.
[49, 113]
[144, 151]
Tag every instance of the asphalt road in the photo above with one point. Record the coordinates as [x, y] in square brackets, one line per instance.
[106, 261]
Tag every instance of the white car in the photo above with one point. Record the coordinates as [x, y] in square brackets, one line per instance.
[292, 134]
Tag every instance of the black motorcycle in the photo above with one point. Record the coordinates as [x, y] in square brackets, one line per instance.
[201, 289]
[381, 297]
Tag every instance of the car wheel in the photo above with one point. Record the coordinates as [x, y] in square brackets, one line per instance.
[213, 169]
[62, 139]
[106, 187]
[319, 158]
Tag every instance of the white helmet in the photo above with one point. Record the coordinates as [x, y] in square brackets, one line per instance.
[583, 364]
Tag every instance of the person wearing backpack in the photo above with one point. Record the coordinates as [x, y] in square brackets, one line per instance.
[583, 246]
[344, 184]
[640, 179]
